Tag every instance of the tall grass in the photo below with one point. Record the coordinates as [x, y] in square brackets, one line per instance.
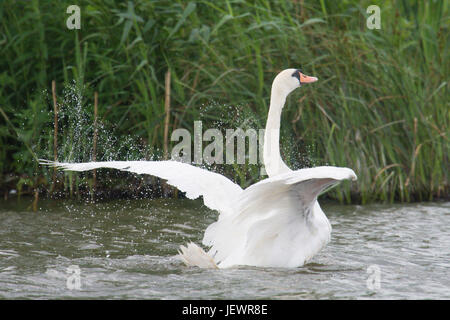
[381, 105]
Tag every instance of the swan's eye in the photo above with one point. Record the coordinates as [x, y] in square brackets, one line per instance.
[296, 74]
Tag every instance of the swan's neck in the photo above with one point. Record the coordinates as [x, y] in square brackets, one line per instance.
[273, 163]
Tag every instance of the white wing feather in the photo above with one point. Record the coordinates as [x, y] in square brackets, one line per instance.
[273, 224]
[219, 193]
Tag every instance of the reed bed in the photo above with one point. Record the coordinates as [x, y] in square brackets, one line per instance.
[381, 106]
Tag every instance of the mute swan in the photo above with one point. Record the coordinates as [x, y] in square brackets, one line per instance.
[276, 222]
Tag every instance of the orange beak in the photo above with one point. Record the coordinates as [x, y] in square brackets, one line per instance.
[306, 79]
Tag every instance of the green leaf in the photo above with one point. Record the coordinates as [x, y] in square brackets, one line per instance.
[189, 9]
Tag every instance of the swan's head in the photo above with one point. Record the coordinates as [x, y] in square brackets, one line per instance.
[290, 79]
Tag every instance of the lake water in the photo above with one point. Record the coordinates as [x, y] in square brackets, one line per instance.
[126, 249]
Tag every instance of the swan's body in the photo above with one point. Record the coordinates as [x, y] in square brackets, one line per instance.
[276, 222]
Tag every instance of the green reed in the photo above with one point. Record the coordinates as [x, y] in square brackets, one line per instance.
[381, 105]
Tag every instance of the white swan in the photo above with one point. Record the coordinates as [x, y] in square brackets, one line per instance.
[276, 222]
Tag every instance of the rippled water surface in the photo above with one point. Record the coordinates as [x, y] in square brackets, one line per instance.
[126, 250]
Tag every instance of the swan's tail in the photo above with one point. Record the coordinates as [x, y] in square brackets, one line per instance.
[193, 255]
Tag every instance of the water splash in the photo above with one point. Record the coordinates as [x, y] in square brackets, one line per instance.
[76, 133]
[75, 136]
[223, 116]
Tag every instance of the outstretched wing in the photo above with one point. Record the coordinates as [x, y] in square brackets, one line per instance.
[219, 193]
[307, 183]
[272, 216]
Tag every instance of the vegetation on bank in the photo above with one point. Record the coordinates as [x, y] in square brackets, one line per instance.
[381, 106]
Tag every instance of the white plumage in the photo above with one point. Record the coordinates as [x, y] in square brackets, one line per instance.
[276, 222]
